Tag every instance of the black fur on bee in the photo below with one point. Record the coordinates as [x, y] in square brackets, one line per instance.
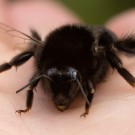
[73, 59]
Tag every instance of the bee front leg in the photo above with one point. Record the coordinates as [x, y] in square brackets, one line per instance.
[28, 102]
[90, 89]
[30, 95]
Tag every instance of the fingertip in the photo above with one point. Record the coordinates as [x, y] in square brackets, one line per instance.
[42, 15]
[123, 23]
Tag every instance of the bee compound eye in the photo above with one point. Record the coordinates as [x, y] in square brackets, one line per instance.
[74, 74]
[51, 72]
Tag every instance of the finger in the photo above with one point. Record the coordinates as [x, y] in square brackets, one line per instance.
[41, 15]
[123, 23]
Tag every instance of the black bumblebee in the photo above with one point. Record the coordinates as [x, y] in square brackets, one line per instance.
[72, 59]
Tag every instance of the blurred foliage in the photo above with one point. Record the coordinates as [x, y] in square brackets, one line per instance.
[98, 11]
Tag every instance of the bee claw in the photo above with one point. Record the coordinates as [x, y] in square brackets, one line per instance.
[19, 111]
[22, 111]
[84, 115]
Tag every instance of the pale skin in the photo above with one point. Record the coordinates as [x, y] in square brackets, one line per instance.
[113, 107]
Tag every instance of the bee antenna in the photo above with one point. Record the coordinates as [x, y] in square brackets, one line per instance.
[47, 77]
[30, 83]
[82, 91]
[33, 81]
[73, 73]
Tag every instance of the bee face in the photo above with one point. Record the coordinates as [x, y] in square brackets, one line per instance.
[63, 86]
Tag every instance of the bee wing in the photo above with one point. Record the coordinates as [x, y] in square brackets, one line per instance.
[8, 32]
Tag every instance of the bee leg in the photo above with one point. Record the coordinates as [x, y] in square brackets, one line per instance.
[16, 61]
[30, 94]
[28, 102]
[126, 45]
[90, 89]
[116, 63]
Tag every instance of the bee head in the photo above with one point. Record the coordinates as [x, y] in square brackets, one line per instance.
[63, 86]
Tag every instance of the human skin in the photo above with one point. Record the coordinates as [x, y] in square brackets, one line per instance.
[113, 107]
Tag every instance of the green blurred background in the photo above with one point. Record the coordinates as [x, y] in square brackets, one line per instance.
[98, 11]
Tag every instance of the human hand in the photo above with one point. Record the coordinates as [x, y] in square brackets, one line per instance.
[112, 110]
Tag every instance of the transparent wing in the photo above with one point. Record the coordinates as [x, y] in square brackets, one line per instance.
[9, 35]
